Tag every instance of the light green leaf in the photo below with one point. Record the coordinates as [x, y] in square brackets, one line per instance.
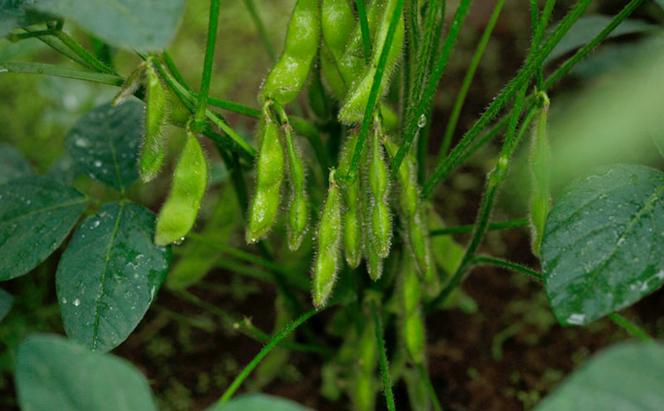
[53, 373]
[36, 214]
[259, 402]
[6, 302]
[602, 248]
[104, 143]
[12, 164]
[109, 275]
[588, 27]
[140, 24]
[624, 377]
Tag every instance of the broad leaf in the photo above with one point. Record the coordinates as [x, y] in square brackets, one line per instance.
[12, 164]
[588, 27]
[53, 373]
[624, 377]
[14, 13]
[104, 143]
[259, 402]
[109, 275]
[602, 247]
[141, 24]
[6, 302]
[36, 214]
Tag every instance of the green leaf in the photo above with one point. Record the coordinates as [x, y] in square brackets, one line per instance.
[53, 373]
[626, 376]
[602, 248]
[6, 302]
[104, 143]
[660, 2]
[36, 214]
[132, 24]
[590, 26]
[13, 14]
[109, 275]
[12, 164]
[259, 402]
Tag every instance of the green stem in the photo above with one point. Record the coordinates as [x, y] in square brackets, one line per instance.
[373, 95]
[57, 71]
[382, 358]
[60, 48]
[364, 29]
[631, 328]
[468, 79]
[14, 37]
[170, 64]
[542, 23]
[258, 22]
[462, 229]
[533, 61]
[213, 23]
[90, 60]
[508, 265]
[414, 121]
[285, 332]
[429, 386]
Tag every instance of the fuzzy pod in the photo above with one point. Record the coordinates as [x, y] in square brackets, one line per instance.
[413, 328]
[287, 77]
[270, 170]
[352, 111]
[153, 151]
[178, 214]
[130, 85]
[330, 74]
[352, 216]
[326, 262]
[364, 387]
[337, 23]
[298, 210]
[380, 220]
[540, 170]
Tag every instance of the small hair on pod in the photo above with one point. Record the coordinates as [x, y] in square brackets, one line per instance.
[410, 298]
[298, 209]
[352, 211]
[540, 173]
[326, 261]
[153, 150]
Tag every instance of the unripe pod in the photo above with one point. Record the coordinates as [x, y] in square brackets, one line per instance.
[298, 211]
[380, 221]
[540, 169]
[178, 214]
[413, 329]
[153, 151]
[352, 218]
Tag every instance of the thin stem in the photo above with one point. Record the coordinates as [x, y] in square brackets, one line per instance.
[414, 120]
[81, 52]
[56, 45]
[382, 358]
[285, 332]
[234, 107]
[631, 328]
[258, 22]
[364, 29]
[508, 265]
[468, 78]
[462, 229]
[542, 23]
[58, 71]
[14, 37]
[375, 89]
[174, 69]
[209, 62]
[533, 61]
[430, 388]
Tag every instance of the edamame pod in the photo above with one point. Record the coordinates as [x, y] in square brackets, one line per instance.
[326, 263]
[269, 177]
[380, 220]
[153, 150]
[298, 211]
[289, 74]
[178, 214]
[352, 217]
[337, 23]
[413, 323]
[540, 169]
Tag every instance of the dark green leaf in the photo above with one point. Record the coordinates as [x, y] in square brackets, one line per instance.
[12, 164]
[260, 402]
[624, 377]
[36, 214]
[53, 373]
[13, 14]
[63, 170]
[6, 302]
[141, 24]
[602, 247]
[104, 143]
[109, 275]
[590, 26]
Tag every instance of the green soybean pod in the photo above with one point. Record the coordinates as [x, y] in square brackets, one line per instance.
[330, 74]
[352, 216]
[153, 150]
[178, 214]
[298, 211]
[353, 108]
[130, 85]
[337, 23]
[363, 389]
[380, 220]
[270, 167]
[326, 262]
[413, 329]
[540, 169]
[289, 74]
